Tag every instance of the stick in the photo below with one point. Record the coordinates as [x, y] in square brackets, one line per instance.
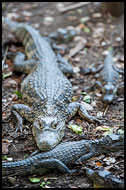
[4, 59]
[106, 109]
[76, 49]
[74, 6]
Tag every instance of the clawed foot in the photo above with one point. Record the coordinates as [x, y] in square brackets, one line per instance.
[98, 119]
[18, 127]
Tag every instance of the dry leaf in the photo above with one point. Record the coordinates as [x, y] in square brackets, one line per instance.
[98, 164]
[109, 160]
[5, 144]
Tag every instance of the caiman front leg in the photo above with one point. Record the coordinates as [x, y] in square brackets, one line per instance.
[75, 107]
[22, 65]
[120, 71]
[19, 111]
[55, 163]
[65, 67]
[92, 153]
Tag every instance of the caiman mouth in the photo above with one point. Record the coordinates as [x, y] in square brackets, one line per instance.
[47, 139]
[108, 98]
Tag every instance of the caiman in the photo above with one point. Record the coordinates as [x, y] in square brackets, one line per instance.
[102, 178]
[64, 154]
[109, 77]
[46, 91]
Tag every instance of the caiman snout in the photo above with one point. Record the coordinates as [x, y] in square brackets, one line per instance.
[47, 139]
[48, 133]
[108, 93]
[108, 98]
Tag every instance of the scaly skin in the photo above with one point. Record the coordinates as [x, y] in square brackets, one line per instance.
[64, 154]
[46, 91]
[103, 178]
[109, 78]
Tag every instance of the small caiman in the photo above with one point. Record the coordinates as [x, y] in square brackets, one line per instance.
[103, 178]
[46, 91]
[64, 154]
[109, 77]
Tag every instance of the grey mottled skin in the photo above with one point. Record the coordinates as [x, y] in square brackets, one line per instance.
[46, 91]
[104, 178]
[109, 78]
[63, 155]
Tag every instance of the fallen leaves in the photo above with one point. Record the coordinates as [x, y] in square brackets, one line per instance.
[80, 45]
[76, 128]
[34, 179]
[109, 160]
[99, 164]
[7, 75]
[5, 144]
[108, 130]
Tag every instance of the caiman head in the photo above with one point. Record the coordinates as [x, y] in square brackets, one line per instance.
[114, 142]
[108, 93]
[48, 132]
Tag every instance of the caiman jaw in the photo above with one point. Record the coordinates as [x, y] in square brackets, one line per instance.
[47, 139]
[108, 98]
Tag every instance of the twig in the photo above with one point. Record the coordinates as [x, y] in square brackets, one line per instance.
[3, 61]
[76, 49]
[74, 6]
[106, 109]
[13, 96]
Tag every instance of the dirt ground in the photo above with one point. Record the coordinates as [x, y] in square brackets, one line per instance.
[100, 32]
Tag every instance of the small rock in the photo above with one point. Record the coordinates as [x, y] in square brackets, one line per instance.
[118, 39]
[26, 13]
[76, 69]
[36, 25]
[96, 15]
[84, 19]
[12, 15]
[99, 114]
[109, 160]
[98, 94]
[59, 5]
[93, 104]
[48, 19]
[103, 43]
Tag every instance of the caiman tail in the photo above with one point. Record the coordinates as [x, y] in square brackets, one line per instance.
[25, 34]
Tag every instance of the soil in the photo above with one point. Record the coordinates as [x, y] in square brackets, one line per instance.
[101, 31]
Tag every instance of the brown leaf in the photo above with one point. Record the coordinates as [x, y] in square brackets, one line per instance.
[5, 144]
[98, 163]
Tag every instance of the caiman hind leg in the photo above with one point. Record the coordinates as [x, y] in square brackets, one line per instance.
[22, 65]
[75, 107]
[19, 112]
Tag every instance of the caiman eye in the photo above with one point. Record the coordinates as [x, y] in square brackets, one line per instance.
[36, 125]
[103, 90]
[41, 125]
[54, 125]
